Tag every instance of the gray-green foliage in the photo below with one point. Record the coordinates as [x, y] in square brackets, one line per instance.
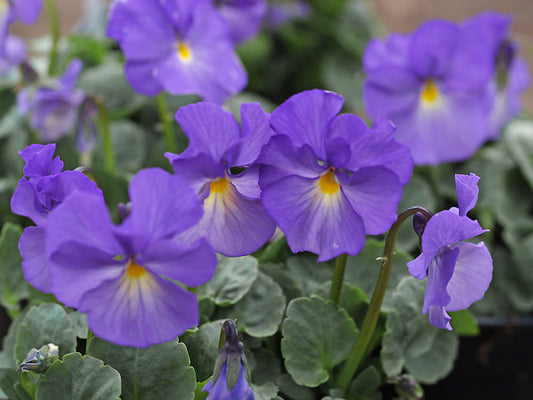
[317, 336]
[411, 343]
[156, 372]
[79, 378]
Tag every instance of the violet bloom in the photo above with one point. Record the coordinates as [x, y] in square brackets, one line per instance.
[13, 55]
[327, 179]
[458, 272]
[244, 17]
[180, 46]
[234, 220]
[432, 84]
[43, 187]
[25, 11]
[510, 73]
[229, 381]
[122, 276]
[283, 12]
[54, 109]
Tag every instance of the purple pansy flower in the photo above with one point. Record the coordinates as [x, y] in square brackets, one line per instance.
[283, 12]
[243, 16]
[327, 179]
[54, 109]
[510, 73]
[25, 11]
[432, 84]
[458, 272]
[234, 220]
[229, 381]
[13, 55]
[181, 46]
[121, 276]
[43, 187]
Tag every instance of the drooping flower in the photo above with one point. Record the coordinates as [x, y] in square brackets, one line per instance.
[122, 276]
[234, 221]
[458, 272]
[433, 85]
[229, 381]
[180, 46]
[25, 11]
[54, 108]
[510, 73]
[243, 16]
[44, 186]
[327, 179]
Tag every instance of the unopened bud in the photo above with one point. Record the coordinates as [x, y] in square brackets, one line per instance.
[40, 360]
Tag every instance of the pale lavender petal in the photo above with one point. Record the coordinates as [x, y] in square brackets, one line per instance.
[305, 118]
[247, 183]
[162, 205]
[439, 274]
[25, 202]
[139, 312]
[255, 132]
[439, 318]
[393, 50]
[32, 246]
[39, 160]
[70, 75]
[467, 192]
[210, 129]
[471, 277]
[197, 171]
[418, 268]
[192, 265]
[313, 221]
[28, 10]
[220, 391]
[244, 19]
[374, 194]
[233, 225]
[142, 78]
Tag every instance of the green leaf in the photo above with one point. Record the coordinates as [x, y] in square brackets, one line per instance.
[292, 390]
[363, 270]
[14, 286]
[308, 274]
[89, 49]
[267, 366]
[79, 378]
[317, 336]
[129, 145]
[198, 394]
[365, 384]
[203, 348]
[265, 294]
[268, 391]
[8, 379]
[283, 278]
[464, 323]
[108, 81]
[410, 342]
[519, 140]
[233, 278]
[79, 323]
[11, 122]
[47, 323]
[156, 372]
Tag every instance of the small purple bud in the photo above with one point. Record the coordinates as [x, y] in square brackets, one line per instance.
[505, 56]
[407, 387]
[29, 75]
[124, 210]
[419, 223]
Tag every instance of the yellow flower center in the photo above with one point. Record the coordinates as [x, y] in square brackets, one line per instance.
[134, 270]
[219, 185]
[184, 53]
[328, 182]
[430, 92]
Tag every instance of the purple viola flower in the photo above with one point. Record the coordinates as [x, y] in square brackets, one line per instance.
[14, 54]
[123, 276]
[283, 12]
[25, 11]
[458, 273]
[510, 73]
[244, 17]
[229, 381]
[432, 84]
[327, 179]
[180, 46]
[43, 187]
[54, 109]
[234, 221]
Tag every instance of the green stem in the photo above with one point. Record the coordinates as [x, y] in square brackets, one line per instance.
[103, 119]
[166, 120]
[338, 278]
[369, 323]
[55, 31]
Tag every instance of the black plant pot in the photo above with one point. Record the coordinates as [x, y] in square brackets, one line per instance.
[497, 364]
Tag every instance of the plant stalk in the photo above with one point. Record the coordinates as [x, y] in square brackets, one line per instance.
[369, 323]
[166, 119]
[338, 278]
[55, 30]
[103, 122]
